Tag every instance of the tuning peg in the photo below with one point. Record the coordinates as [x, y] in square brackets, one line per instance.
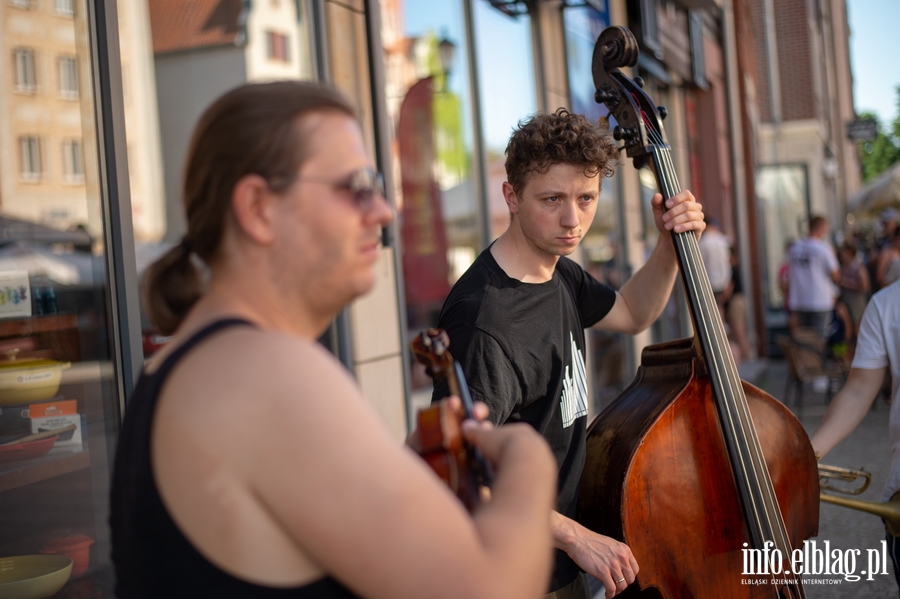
[663, 113]
[603, 96]
[626, 133]
[639, 81]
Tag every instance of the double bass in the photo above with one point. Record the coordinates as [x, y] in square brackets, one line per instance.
[695, 470]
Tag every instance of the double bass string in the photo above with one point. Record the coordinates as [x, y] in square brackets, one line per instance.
[723, 371]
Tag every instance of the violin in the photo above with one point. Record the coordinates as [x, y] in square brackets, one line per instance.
[441, 443]
[694, 469]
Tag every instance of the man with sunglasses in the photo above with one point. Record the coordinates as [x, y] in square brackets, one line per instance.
[249, 465]
[516, 318]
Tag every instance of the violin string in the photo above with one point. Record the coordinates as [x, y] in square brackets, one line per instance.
[726, 370]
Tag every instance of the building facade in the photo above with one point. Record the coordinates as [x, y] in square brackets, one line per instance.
[799, 87]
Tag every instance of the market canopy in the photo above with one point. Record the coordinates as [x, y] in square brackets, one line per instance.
[15, 230]
[880, 194]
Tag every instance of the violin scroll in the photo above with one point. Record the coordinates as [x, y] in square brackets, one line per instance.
[462, 467]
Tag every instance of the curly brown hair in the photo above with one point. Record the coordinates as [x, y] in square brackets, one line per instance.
[559, 138]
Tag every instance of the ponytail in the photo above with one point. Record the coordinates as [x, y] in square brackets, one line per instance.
[172, 285]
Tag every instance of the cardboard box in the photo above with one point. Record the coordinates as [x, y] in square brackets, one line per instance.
[57, 414]
[15, 421]
[15, 294]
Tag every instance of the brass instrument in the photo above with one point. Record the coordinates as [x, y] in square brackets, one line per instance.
[887, 510]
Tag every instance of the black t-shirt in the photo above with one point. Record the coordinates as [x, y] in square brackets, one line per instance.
[521, 346]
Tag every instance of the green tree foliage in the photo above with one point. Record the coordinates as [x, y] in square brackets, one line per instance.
[883, 151]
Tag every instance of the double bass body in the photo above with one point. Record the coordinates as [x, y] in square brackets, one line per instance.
[657, 476]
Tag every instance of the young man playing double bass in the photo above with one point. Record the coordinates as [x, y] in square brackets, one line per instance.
[516, 318]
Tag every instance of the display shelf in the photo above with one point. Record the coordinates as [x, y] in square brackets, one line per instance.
[37, 324]
[57, 332]
[26, 472]
[90, 371]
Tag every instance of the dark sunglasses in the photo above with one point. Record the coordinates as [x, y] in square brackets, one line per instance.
[363, 184]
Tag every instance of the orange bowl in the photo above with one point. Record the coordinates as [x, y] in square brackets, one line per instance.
[75, 546]
[27, 450]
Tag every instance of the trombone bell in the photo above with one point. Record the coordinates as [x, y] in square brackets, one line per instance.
[889, 511]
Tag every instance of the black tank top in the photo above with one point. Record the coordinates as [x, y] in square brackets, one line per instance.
[151, 555]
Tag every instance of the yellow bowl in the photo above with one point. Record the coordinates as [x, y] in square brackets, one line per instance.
[33, 576]
[24, 381]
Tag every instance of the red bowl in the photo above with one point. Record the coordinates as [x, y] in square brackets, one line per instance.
[27, 450]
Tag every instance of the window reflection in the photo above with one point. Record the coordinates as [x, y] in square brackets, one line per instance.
[426, 67]
[177, 58]
[611, 360]
[783, 192]
[56, 370]
[507, 95]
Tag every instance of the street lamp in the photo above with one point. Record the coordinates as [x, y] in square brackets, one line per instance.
[446, 53]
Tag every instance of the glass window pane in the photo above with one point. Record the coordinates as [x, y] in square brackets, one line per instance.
[583, 25]
[26, 79]
[783, 192]
[64, 7]
[177, 58]
[57, 372]
[611, 363]
[507, 94]
[426, 65]
[68, 77]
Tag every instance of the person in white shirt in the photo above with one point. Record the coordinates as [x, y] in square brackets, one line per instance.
[813, 271]
[877, 350]
[715, 250]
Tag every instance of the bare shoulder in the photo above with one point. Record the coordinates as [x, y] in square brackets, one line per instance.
[246, 366]
[248, 397]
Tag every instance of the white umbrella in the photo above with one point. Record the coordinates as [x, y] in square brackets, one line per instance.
[880, 194]
[71, 268]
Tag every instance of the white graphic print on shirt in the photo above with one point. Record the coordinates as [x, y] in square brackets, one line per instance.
[573, 403]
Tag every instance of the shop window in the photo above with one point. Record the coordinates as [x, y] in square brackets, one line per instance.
[650, 24]
[643, 20]
[68, 77]
[277, 46]
[158, 132]
[428, 92]
[30, 155]
[55, 285]
[64, 7]
[26, 77]
[507, 94]
[611, 358]
[783, 192]
[698, 57]
[72, 161]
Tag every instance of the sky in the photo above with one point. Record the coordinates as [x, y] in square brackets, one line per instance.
[874, 33]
